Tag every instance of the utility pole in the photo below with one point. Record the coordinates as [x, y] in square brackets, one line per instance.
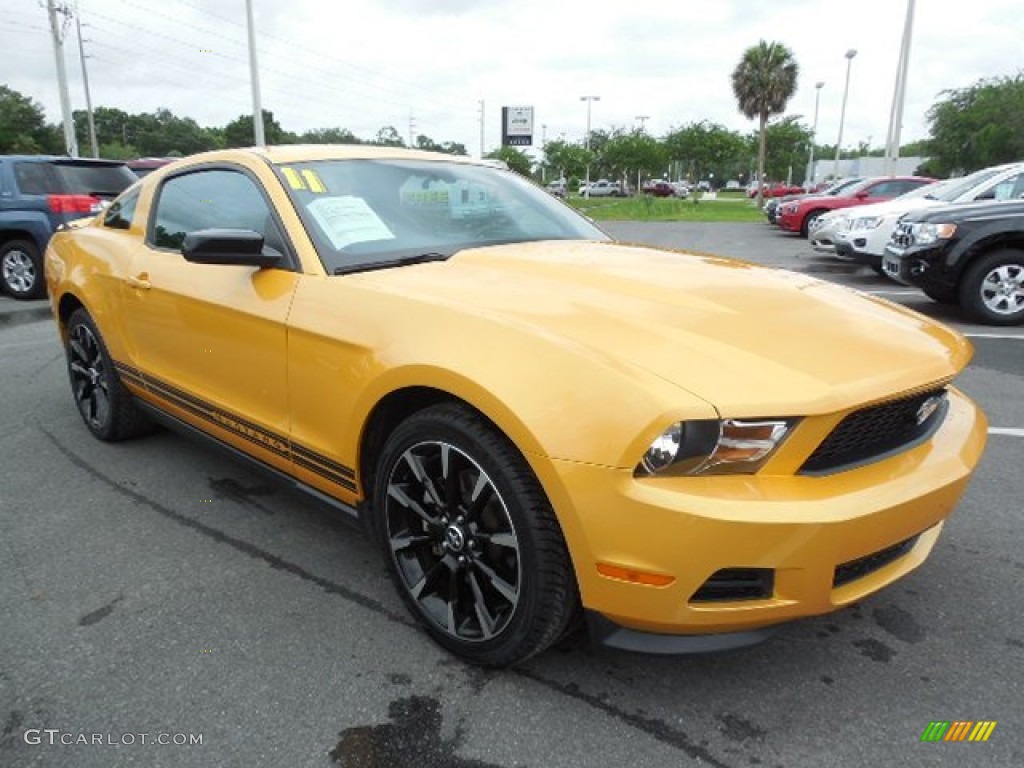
[543, 152]
[70, 142]
[892, 140]
[643, 121]
[85, 81]
[481, 129]
[254, 76]
[412, 130]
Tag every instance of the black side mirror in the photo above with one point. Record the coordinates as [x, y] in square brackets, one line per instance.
[230, 247]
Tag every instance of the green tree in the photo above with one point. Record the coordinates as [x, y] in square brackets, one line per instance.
[978, 126]
[388, 136]
[329, 136]
[517, 160]
[763, 82]
[631, 155]
[786, 148]
[240, 132]
[23, 127]
[703, 148]
[567, 160]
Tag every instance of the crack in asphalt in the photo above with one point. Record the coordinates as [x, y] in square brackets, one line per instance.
[237, 544]
[656, 729]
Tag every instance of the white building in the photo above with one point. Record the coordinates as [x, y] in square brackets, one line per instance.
[865, 166]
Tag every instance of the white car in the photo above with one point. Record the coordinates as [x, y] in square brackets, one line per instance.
[869, 227]
[603, 188]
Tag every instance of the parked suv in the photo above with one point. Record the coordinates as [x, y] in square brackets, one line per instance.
[967, 254]
[38, 193]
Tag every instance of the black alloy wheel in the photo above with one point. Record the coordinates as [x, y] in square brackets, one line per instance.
[107, 408]
[470, 538]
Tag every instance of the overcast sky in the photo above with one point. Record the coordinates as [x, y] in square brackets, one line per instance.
[362, 64]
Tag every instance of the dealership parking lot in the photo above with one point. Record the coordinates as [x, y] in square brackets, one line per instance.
[156, 588]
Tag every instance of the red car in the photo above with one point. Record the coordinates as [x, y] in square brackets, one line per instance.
[798, 215]
[775, 189]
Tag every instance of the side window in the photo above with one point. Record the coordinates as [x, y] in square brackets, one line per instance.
[213, 199]
[889, 189]
[1007, 189]
[35, 179]
[121, 214]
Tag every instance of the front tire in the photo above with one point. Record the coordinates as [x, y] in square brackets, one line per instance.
[992, 290]
[21, 269]
[809, 219]
[107, 408]
[470, 538]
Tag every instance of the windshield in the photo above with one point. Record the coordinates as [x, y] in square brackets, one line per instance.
[361, 213]
[959, 187]
[841, 185]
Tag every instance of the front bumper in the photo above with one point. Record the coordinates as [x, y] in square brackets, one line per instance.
[921, 267]
[846, 249]
[804, 530]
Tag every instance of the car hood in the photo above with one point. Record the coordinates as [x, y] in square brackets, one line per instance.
[735, 334]
[891, 207]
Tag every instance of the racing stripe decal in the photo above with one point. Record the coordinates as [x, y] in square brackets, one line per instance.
[281, 445]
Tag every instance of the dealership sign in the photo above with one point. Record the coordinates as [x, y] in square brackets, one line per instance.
[516, 126]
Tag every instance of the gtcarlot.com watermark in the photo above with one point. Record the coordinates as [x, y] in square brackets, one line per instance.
[56, 737]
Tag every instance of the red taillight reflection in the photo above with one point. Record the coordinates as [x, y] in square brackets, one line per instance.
[74, 203]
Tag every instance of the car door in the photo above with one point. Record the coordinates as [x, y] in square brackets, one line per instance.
[211, 339]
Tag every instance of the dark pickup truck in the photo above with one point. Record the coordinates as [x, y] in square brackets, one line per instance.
[972, 255]
[38, 193]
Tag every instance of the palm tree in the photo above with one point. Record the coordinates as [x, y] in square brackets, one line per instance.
[763, 81]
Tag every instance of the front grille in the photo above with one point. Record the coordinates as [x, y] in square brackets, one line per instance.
[871, 433]
[862, 566]
[736, 584]
[902, 236]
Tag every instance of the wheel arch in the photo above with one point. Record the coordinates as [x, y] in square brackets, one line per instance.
[975, 248]
[396, 405]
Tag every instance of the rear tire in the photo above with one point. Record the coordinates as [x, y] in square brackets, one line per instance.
[992, 290]
[21, 270]
[470, 538]
[108, 409]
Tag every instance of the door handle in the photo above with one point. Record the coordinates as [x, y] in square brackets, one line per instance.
[141, 282]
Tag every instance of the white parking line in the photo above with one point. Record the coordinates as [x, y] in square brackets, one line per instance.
[1017, 337]
[1008, 431]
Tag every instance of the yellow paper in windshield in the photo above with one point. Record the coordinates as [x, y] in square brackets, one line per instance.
[294, 180]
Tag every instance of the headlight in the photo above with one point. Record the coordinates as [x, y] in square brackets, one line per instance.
[928, 233]
[792, 208]
[841, 225]
[708, 446]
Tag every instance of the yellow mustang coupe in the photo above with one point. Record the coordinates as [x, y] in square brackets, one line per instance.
[535, 423]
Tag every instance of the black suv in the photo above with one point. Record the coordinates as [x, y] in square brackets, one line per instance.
[38, 193]
[972, 255]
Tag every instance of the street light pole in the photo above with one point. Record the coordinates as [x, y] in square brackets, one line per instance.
[589, 100]
[814, 133]
[842, 113]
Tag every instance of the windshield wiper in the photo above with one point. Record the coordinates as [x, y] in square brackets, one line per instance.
[404, 261]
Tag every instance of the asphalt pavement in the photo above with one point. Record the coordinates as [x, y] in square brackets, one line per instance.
[156, 591]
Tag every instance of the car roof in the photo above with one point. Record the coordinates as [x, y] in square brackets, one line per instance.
[301, 153]
[60, 159]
